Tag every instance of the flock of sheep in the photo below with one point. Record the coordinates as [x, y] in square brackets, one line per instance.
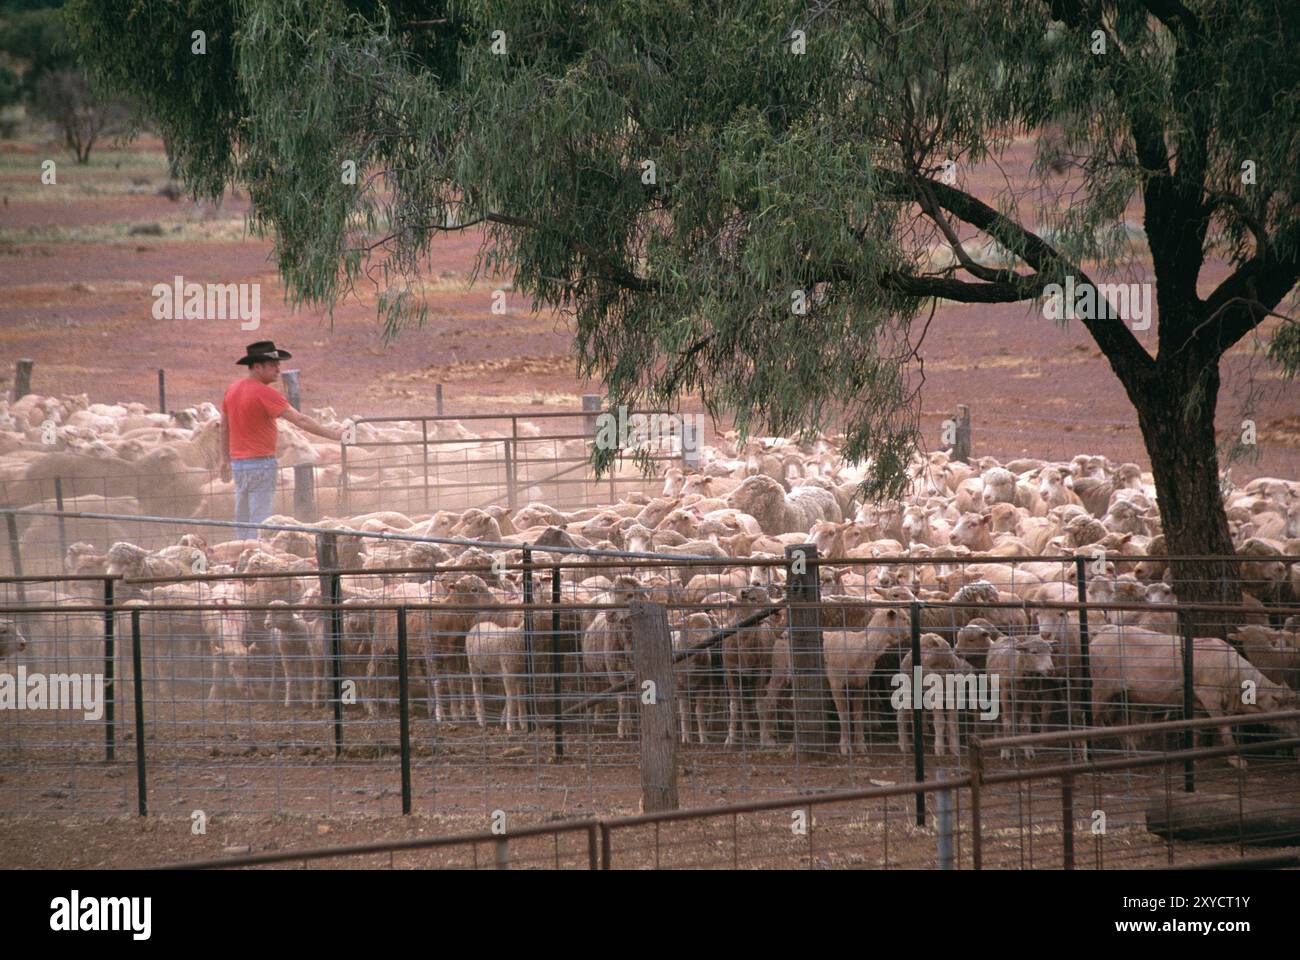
[742, 507]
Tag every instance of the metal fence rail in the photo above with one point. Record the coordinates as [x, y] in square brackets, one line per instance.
[375, 707]
[518, 466]
[519, 458]
[524, 847]
[980, 821]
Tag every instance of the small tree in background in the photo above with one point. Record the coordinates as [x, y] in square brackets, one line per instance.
[65, 98]
[51, 83]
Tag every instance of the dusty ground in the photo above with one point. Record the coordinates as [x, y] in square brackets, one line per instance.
[1021, 826]
[76, 284]
[265, 779]
[77, 299]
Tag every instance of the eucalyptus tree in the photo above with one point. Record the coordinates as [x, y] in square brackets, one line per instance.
[762, 202]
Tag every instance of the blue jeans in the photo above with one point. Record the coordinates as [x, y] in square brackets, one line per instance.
[254, 492]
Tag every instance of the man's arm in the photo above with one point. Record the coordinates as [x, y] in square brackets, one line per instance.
[304, 422]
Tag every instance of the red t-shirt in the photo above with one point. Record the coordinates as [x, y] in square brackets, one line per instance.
[250, 408]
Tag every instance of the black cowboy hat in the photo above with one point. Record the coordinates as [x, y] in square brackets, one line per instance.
[262, 351]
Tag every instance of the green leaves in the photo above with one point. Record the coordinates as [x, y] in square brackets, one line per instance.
[775, 171]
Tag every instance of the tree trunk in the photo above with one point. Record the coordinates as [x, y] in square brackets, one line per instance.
[1177, 418]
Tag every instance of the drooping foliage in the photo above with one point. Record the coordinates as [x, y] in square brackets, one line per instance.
[755, 200]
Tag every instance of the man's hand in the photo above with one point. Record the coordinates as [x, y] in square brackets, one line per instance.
[225, 471]
[304, 422]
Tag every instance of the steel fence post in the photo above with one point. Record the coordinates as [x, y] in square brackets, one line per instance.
[403, 708]
[944, 826]
[556, 665]
[110, 659]
[530, 641]
[1067, 821]
[1081, 582]
[327, 561]
[138, 682]
[918, 731]
[1189, 735]
[976, 817]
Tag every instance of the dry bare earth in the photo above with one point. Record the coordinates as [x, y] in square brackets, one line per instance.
[76, 297]
[1021, 830]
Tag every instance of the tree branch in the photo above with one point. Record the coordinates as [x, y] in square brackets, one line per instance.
[1127, 356]
[614, 272]
[1243, 300]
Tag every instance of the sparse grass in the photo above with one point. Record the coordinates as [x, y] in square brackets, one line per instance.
[103, 160]
[109, 173]
[225, 230]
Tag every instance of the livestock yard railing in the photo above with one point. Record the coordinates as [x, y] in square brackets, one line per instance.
[357, 690]
[419, 463]
[981, 820]
[518, 466]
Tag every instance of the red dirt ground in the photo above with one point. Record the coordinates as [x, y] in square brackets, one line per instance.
[79, 303]
[82, 311]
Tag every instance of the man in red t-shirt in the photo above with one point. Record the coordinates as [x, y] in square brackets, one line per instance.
[248, 434]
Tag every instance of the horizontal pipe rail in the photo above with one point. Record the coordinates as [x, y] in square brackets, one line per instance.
[368, 603]
[808, 800]
[667, 558]
[684, 605]
[340, 531]
[1274, 861]
[785, 803]
[484, 441]
[705, 644]
[1057, 771]
[757, 806]
[392, 846]
[539, 415]
[1165, 726]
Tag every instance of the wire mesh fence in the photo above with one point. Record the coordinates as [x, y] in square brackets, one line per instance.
[394, 466]
[1072, 815]
[347, 681]
[427, 463]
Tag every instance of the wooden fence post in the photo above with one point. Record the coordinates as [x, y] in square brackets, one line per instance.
[327, 562]
[162, 390]
[304, 475]
[16, 556]
[23, 378]
[691, 442]
[63, 528]
[437, 396]
[591, 407]
[961, 446]
[652, 652]
[811, 692]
